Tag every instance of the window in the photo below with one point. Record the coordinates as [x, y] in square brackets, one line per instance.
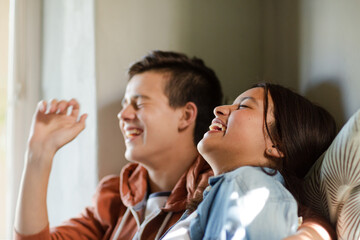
[4, 33]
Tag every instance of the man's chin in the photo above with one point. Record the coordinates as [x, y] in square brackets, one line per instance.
[131, 156]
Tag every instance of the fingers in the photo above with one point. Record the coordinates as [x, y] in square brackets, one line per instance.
[81, 124]
[53, 106]
[82, 120]
[60, 107]
[41, 107]
[75, 108]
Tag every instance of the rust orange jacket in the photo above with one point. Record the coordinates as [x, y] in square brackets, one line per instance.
[115, 213]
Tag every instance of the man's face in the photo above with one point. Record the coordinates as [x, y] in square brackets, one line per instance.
[149, 125]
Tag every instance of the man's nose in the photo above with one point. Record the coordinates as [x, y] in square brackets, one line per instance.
[127, 113]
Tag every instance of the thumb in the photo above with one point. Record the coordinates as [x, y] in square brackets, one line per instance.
[80, 125]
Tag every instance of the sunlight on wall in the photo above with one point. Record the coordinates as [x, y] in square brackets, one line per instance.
[4, 15]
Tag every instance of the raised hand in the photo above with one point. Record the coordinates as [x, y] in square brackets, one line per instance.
[53, 127]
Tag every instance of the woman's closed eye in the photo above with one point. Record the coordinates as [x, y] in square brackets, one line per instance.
[240, 106]
[137, 105]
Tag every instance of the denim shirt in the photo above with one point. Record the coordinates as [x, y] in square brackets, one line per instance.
[246, 203]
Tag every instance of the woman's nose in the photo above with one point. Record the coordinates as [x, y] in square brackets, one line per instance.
[222, 110]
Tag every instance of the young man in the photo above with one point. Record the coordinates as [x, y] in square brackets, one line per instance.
[166, 110]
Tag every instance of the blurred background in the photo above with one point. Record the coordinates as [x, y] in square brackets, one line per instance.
[82, 49]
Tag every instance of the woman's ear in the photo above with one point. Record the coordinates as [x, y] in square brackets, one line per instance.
[188, 115]
[274, 151]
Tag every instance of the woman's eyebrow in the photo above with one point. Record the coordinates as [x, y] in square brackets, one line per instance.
[248, 98]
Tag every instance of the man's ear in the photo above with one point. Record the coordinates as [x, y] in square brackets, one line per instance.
[188, 115]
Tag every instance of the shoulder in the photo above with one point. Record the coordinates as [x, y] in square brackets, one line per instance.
[109, 183]
[104, 211]
[251, 200]
[107, 194]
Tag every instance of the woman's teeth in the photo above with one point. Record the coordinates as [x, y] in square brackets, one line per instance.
[217, 127]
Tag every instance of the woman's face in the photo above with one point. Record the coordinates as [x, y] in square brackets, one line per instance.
[237, 136]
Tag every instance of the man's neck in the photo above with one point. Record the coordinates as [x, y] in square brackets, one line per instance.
[165, 177]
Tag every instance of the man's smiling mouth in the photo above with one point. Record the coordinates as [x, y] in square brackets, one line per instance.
[133, 132]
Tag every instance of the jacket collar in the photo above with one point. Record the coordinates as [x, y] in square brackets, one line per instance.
[134, 185]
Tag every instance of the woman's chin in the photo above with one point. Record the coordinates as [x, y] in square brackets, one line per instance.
[206, 148]
[203, 147]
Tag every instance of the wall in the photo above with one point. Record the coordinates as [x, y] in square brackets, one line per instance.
[330, 55]
[226, 34]
[280, 28]
[313, 47]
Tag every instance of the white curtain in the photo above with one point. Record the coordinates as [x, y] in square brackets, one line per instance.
[69, 72]
[52, 55]
[23, 90]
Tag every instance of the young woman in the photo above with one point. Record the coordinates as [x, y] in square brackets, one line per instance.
[259, 148]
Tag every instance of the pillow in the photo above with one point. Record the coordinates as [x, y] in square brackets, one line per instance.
[332, 186]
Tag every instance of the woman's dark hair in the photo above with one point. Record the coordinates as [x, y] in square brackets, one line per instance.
[190, 80]
[301, 130]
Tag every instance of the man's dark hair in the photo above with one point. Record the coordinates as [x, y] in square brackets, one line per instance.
[189, 81]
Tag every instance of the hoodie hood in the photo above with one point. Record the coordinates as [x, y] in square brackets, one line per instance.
[134, 184]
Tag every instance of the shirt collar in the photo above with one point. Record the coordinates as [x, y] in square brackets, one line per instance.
[213, 180]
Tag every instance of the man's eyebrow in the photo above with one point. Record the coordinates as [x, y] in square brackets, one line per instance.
[134, 98]
[248, 98]
[137, 96]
